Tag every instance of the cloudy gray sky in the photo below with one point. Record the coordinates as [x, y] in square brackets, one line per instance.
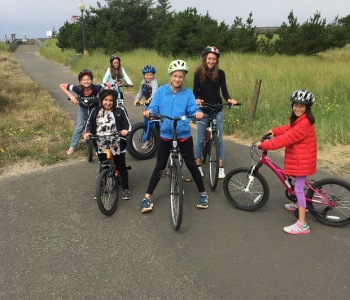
[33, 18]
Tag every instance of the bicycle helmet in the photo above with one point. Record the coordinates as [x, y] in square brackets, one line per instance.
[85, 72]
[148, 69]
[178, 65]
[113, 57]
[211, 49]
[303, 96]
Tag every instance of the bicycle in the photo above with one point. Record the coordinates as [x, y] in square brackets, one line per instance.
[143, 140]
[328, 200]
[175, 162]
[211, 141]
[89, 103]
[107, 191]
[118, 87]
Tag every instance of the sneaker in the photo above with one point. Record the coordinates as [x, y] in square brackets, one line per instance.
[145, 145]
[70, 151]
[297, 228]
[292, 207]
[126, 195]
[201, 171]
[203, 201]
[146, 205]
[221, 173]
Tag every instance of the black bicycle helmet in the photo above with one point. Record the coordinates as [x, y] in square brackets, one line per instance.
[85, 72]
[148, 69]
[113, 57]
[211, 49]
[303, 96]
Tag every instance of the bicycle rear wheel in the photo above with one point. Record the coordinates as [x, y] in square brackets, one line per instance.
[242, 196]
[141, 146]
[107, 192]
[176, 194]
[330, 203]
[90, 150]
[213, 161]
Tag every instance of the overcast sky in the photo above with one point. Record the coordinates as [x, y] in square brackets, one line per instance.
[33, 18]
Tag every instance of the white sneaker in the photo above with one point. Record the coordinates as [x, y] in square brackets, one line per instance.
[221, 173]
[201, 171]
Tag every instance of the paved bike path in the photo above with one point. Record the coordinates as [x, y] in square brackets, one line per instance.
[55, 244]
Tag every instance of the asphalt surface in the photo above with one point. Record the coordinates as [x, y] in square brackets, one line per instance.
[55, 243]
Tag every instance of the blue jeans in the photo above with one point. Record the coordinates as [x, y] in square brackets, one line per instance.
[79, 127]
[201, 130]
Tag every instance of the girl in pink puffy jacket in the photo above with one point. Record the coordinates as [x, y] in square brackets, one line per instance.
[299, 140]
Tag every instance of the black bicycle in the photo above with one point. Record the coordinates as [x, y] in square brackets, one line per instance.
[175, 172]
[211, 141]
[107, 191]
[89, 103]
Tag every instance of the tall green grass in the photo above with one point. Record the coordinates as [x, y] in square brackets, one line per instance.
[325, 75]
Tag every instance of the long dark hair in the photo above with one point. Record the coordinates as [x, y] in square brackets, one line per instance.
[308, 113]
[106, 93]
[116, 73]
[205, 74]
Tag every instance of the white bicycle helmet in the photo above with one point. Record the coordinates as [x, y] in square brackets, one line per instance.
[303, 96]
[178, 65]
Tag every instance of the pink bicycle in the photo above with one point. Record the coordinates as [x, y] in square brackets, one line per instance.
[328, 199]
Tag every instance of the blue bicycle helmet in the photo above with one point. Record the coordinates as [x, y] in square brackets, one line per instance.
[148, 69]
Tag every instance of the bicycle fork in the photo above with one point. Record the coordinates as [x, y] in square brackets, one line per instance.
[251, 178]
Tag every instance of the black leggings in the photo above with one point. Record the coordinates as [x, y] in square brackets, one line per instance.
[186, 149]
[119, 161]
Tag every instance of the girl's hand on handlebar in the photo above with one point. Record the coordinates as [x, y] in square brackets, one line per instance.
[199, 115]
[146, 113]
[73, 99]
[136, 101]
[87, 135]
[199, 102]
[232, 101]
[124, 132]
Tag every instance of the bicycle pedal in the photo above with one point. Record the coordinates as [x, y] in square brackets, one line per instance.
[163, 174]
[128, 167]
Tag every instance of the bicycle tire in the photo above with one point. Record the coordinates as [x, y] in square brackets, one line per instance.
[176, 194]
[107, 192]
[336, 190]
[136, 140]
[213, 161]
[234, 184]
[205, 151]
[90, 150]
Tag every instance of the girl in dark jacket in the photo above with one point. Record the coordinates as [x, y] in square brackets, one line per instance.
[299, 140]
[108, 119]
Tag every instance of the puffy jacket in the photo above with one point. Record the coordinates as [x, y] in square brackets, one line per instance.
[300, 145]
[178, 104]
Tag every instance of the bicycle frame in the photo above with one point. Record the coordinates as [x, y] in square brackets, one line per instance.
[285, 179]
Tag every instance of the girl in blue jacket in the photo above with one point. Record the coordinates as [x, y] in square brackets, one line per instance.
[175, 100]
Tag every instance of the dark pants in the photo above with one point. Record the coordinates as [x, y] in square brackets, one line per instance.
[119, 161]
[186, 149]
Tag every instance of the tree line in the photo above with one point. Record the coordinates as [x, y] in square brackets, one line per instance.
[125, 25]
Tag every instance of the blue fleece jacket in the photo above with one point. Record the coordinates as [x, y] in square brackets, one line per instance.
[178, 104]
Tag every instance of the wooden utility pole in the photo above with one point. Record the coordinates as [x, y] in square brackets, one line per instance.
[254, 102]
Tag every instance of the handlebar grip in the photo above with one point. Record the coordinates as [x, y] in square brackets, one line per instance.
[265, 137]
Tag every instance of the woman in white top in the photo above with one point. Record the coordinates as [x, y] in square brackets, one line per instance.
[116, 72]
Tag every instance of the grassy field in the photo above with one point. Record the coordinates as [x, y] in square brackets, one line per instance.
[36, 130]
[326, 75]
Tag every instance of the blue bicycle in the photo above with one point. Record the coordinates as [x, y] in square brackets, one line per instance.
[143, 140]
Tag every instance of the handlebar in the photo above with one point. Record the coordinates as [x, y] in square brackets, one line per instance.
[108, 137]
[160, 116]
[217, 105]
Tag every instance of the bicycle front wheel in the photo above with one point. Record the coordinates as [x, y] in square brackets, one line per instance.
[141, 145]
[246, 193]
[330, 202]
[176, 194]
[107, 192]
[213, 161]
